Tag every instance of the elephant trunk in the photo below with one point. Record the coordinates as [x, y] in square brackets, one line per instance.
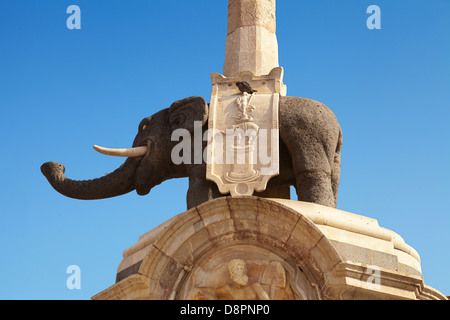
[119, 182]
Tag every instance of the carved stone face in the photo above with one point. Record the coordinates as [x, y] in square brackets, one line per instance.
[238, 272]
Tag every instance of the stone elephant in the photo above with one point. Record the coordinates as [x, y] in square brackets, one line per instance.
[310, 156]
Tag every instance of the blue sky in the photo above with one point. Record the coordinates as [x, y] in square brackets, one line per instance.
[62, 91]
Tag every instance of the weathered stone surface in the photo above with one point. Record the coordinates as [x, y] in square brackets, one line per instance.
[288, 250]
[243, 13]
[251, 49]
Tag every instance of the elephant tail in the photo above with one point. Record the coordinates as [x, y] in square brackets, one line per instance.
[336, 167]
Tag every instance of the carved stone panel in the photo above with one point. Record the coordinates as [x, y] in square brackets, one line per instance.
[246, 272]
[243, 137]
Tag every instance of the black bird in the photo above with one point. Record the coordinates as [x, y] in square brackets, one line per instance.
[245, 87]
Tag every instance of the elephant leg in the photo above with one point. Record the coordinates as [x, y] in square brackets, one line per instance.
[201, 191]
[275, 191]
[313, 173]
[315, 186]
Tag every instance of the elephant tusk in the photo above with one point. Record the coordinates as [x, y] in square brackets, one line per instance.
[130, 152]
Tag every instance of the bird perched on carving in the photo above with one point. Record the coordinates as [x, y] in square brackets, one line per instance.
[243, 86]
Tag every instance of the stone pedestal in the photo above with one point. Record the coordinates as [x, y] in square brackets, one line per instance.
[257, 248]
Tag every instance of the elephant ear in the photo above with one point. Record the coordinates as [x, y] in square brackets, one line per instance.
[183, 113]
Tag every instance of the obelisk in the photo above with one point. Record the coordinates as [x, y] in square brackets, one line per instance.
[251, 43]
[251, 56]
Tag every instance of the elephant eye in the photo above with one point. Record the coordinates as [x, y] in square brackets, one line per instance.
[144, 124]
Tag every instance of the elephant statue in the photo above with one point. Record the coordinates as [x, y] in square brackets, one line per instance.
[309, 156]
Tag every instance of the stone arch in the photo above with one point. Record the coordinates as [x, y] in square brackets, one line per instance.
[229, 223]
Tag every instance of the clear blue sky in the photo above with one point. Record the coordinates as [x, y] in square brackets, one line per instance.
[61, 91]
